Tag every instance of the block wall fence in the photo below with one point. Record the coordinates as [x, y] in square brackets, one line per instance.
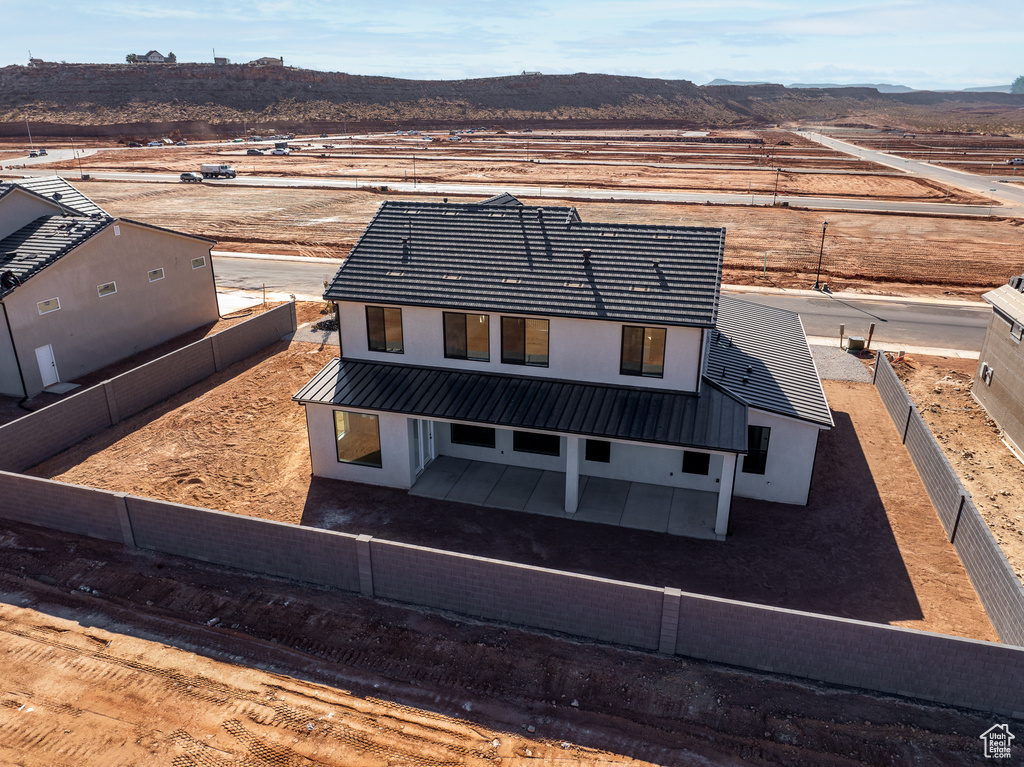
[963, 672]
[998, 586]
[45, 433]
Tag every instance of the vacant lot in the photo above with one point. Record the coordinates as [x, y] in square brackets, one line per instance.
[941, 389]
[869, 545]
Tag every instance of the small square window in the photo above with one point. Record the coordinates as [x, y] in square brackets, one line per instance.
[384, 329]
[696, 463]
[49, 305]
[756, 459]
[542, 444]
[155, 274]
[199, 263]
[1016, 331]
[106, 289]
[598, 451]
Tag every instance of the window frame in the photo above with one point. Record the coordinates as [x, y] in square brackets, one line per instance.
[506, 359]
[151, 272]
[647, 333]
[521, 438]
[597, 451]
[39, 306]
[470, 442]
[113, 289]
[702, 459]
[381, 345]
[759, 455]
[345, 429]
[447, 331]
[1017, 331]
[201, 260]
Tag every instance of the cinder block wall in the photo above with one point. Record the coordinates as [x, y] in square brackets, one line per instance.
[610, 611]
[945, 669]
[71, 508]
[41, 435]
[255, 334]
[259, 545]
[165, 376]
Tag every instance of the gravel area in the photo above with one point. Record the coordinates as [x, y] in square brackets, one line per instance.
[834, 364]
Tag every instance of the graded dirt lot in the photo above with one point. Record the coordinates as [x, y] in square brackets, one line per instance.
[868, 546]
[941, 389]
[970, 152]
[124, 657]
[868, 252]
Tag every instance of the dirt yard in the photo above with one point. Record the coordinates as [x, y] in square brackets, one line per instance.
[123, 657]
[941, 388]
[869, 545]
[865, 252]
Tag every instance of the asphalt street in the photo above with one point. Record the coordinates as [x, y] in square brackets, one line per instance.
[909, 322]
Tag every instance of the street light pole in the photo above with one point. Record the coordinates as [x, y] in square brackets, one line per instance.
[821, 252]
[776, 193]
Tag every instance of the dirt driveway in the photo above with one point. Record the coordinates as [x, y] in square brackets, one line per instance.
[869, 545]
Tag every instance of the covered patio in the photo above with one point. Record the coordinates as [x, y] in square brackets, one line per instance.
[638, 505]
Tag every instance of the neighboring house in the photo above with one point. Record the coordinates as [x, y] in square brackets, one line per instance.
[267, 61]
[221, 61]
[80, 289]
[153, 57]
[999, 383]
[524, 336]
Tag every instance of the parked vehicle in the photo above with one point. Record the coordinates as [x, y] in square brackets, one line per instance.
[33, 153]
[155, 143]
[134, 144]
[1016, 161]
[280, 152]
[181, 143]
[217, 171]
[254, 151]
[42, 153]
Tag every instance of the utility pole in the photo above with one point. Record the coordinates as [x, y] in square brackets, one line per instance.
[821, 252]
[776, 194]
[30, 144]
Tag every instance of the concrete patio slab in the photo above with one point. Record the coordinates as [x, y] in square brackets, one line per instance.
[693, 514]
[476, 483]
[514, 488]
[648, 507]
[548, 496]
[438, 479]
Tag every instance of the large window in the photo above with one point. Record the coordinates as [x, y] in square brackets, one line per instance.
[757, 450]
[384, 329]
[696, 463]
[477, 436]
[466, 337]
[643, 351]
[524, 341]
[598, 451]
[358, 437]
[529, 442]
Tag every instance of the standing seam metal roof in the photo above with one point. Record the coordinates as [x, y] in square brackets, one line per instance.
[533, 260]
[712, 420]
[760, 354]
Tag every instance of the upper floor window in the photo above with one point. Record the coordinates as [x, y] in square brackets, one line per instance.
[384, 329]
[467, 337]
[524, 341]
[756, 459]
[1016, 331]
[643, 351]
[106, 289]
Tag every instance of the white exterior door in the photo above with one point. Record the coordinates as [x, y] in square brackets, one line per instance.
[47, 365]
[424, 435]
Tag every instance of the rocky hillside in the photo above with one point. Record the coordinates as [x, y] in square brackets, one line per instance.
[207, 95]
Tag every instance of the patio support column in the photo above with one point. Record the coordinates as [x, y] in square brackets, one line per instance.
[725, 494]
[572, 474]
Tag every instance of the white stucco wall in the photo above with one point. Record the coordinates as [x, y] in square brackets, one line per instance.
[585, 350]
[10, 380]
[89, 331]
[791, 448]
[395, 446]
[628, 461]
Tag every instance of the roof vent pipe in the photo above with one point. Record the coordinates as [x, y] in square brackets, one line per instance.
[586, 255]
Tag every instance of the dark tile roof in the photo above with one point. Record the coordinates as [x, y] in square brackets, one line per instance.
[502, 199]
[533, 260]
[760, 354]
[41, 242]
[1008, 300]
[71, 198]
[713, 420]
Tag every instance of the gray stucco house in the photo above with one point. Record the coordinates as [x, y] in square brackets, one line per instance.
[999, 383]
[522, 336]
[80, 289]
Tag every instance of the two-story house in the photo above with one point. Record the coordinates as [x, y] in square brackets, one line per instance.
[81, 289]
[523, 336]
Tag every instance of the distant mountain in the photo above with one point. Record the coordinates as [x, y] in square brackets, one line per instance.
[720, 81]
[880, 87]
[989, 89]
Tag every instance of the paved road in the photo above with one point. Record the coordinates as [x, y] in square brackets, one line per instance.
[996, 187]
[896, 322]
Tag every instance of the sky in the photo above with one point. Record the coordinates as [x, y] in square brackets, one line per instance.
[924, 44]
